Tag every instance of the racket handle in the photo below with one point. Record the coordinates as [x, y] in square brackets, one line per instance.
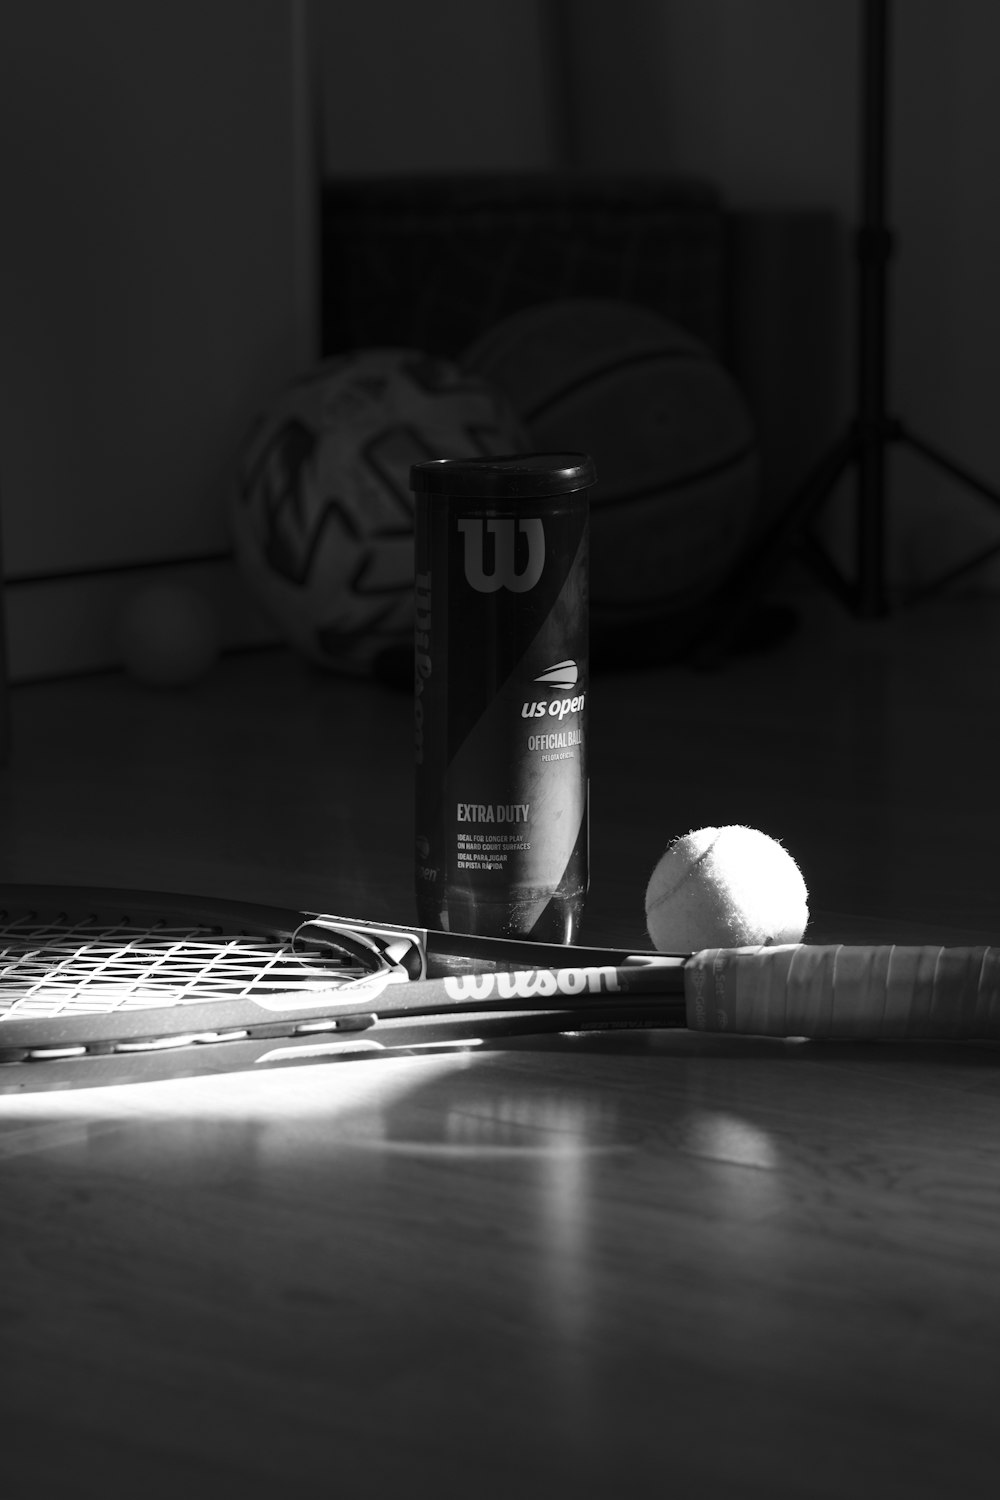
[836, 991]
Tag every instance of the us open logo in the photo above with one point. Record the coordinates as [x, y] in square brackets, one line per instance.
[504, 573]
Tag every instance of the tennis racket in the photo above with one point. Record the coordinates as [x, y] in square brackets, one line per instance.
[101, 986]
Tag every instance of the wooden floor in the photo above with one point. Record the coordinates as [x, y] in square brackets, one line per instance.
[638, 1264]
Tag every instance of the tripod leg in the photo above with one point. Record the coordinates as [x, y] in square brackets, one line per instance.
[758, 564]
[955, 470]
[927, 591]
[949, 465]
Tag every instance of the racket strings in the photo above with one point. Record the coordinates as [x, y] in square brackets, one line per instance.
[73, 967]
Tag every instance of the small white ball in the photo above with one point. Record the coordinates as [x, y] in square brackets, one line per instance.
[168, 635]
[729, 887]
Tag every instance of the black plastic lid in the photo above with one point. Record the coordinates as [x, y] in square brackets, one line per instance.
[506, 476]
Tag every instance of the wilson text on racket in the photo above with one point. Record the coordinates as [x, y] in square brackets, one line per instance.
[526, 983]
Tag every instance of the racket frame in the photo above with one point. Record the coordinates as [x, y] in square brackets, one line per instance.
[413, 988]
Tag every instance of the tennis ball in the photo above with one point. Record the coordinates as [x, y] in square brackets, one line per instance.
[728, 887]
[168, 635]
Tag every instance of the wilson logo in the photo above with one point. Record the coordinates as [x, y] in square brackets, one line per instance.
[504, 572]
[528, 983]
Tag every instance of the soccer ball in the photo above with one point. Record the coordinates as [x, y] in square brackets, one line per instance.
[322, 519]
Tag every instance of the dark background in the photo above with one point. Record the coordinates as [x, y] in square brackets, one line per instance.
[158, 266]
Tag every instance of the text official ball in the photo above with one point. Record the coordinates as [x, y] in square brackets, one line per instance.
[323, 515]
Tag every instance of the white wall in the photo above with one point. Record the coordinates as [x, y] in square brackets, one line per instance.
[157, 275]
[435, 85]
[153, 288]
[763, 97]
[154, 264]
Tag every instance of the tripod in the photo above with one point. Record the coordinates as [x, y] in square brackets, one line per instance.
[873, 428]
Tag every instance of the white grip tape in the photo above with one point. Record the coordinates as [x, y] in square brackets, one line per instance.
[801, 989]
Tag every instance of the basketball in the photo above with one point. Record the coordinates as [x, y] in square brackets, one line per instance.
[675, 452]
[322, 518]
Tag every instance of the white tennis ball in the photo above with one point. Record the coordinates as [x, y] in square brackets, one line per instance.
[728, 887]
[168, 635]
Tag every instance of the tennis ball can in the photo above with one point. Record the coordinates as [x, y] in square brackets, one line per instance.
[501, 687]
